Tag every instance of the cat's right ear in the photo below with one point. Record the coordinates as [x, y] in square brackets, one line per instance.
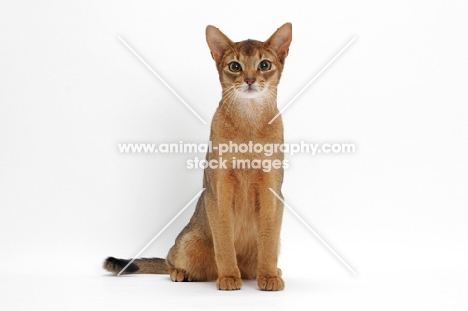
[280, 41]
[217, 42]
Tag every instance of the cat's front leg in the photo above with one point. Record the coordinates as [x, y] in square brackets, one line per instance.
[218, 200]
[269, 224]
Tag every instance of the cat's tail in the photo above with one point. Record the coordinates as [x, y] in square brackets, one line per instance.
[140, 266]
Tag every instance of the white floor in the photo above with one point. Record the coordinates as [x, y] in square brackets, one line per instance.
[422, 290]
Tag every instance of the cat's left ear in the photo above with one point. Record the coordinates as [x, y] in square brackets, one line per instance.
[280, 41]
[217, 41]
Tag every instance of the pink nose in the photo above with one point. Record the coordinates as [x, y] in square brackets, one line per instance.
[249, 81]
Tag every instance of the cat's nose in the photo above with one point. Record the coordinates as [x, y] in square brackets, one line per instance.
[249, 80]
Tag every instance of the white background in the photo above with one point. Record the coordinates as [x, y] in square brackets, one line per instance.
[396, 210]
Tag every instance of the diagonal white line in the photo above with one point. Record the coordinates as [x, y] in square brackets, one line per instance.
[313, 79]
[159, 233]
[315, 233]
[161, 79]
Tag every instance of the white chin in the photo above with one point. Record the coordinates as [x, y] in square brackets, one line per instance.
[250, 94]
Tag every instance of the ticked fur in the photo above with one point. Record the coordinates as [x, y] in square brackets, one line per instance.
[234, 232]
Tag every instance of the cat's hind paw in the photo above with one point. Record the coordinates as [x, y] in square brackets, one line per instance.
[179, 275]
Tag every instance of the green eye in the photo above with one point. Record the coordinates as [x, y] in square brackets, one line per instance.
[264, 65]
[234, 66]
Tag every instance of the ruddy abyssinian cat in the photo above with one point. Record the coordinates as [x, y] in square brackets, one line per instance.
[234, 232]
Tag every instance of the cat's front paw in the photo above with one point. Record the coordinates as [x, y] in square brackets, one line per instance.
[270, 283]
[229, 283]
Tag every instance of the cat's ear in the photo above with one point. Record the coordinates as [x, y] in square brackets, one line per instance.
[217, 42]
[280, 41]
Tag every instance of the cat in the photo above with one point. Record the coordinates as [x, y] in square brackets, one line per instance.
[234, 231]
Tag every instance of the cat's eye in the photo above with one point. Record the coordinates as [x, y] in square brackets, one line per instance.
[264, 65]
[234, 66]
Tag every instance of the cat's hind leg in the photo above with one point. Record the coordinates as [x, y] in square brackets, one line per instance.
[192, 259]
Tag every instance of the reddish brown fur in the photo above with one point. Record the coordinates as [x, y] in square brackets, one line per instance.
[234, 232]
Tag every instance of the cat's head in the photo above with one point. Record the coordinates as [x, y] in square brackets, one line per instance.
[250, 68]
